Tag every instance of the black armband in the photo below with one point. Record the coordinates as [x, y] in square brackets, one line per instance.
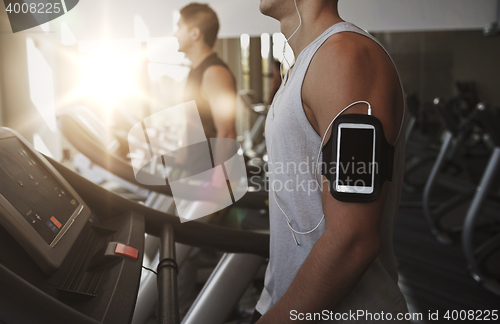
[357, 159]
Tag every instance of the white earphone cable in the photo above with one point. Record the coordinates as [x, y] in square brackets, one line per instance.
[287, 40]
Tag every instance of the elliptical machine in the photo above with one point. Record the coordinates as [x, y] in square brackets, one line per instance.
[457, 130]
[481, 246]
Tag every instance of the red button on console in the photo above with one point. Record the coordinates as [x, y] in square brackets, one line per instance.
[126, 250]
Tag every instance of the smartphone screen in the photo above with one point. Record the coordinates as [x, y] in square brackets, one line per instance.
[355, 158]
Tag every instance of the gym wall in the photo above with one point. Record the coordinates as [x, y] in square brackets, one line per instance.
[421, 15]
[1, 101]
[430, 63]
[242, 16]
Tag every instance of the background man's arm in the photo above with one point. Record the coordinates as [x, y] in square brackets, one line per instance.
[340, 74]
[218, 89]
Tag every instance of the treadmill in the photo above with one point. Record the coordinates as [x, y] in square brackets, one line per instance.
[71, 251]
[87, 133]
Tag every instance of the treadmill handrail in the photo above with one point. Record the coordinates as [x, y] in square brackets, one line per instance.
[192, 233]
[168, 302]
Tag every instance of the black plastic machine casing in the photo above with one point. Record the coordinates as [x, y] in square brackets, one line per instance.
[54, 283]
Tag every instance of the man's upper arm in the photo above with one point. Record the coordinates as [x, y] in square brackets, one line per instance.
[218, 89]
[342, 72]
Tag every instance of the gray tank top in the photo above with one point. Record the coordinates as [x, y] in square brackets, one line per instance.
[293, 146]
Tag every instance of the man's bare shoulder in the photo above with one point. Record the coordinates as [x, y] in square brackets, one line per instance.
[215, 74]
[350, 67]
[345, 45]
[351, 55]
[217, 80]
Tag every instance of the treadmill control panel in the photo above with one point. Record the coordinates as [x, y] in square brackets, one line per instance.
[53, 261]
[38, 207]
[33, 191]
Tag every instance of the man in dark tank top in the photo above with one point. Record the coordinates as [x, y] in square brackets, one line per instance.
[210, 83]
[212, 86]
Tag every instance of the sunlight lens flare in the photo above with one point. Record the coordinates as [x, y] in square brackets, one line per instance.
[109, 74]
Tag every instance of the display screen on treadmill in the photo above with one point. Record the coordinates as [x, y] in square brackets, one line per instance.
[33, 191]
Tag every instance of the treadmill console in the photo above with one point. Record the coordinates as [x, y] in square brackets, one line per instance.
[37, 206]
[89, 265]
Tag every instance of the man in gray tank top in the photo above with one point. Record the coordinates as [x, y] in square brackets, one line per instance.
[340, 268]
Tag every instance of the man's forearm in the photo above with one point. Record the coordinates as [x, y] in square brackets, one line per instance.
[328, 274]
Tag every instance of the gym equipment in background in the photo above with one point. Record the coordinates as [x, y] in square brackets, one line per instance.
[481, 245]
[451, 155]
[254, 142]
[420, 149]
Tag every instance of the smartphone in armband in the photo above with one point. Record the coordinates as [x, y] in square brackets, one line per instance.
[355, 158]
[362, 158]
